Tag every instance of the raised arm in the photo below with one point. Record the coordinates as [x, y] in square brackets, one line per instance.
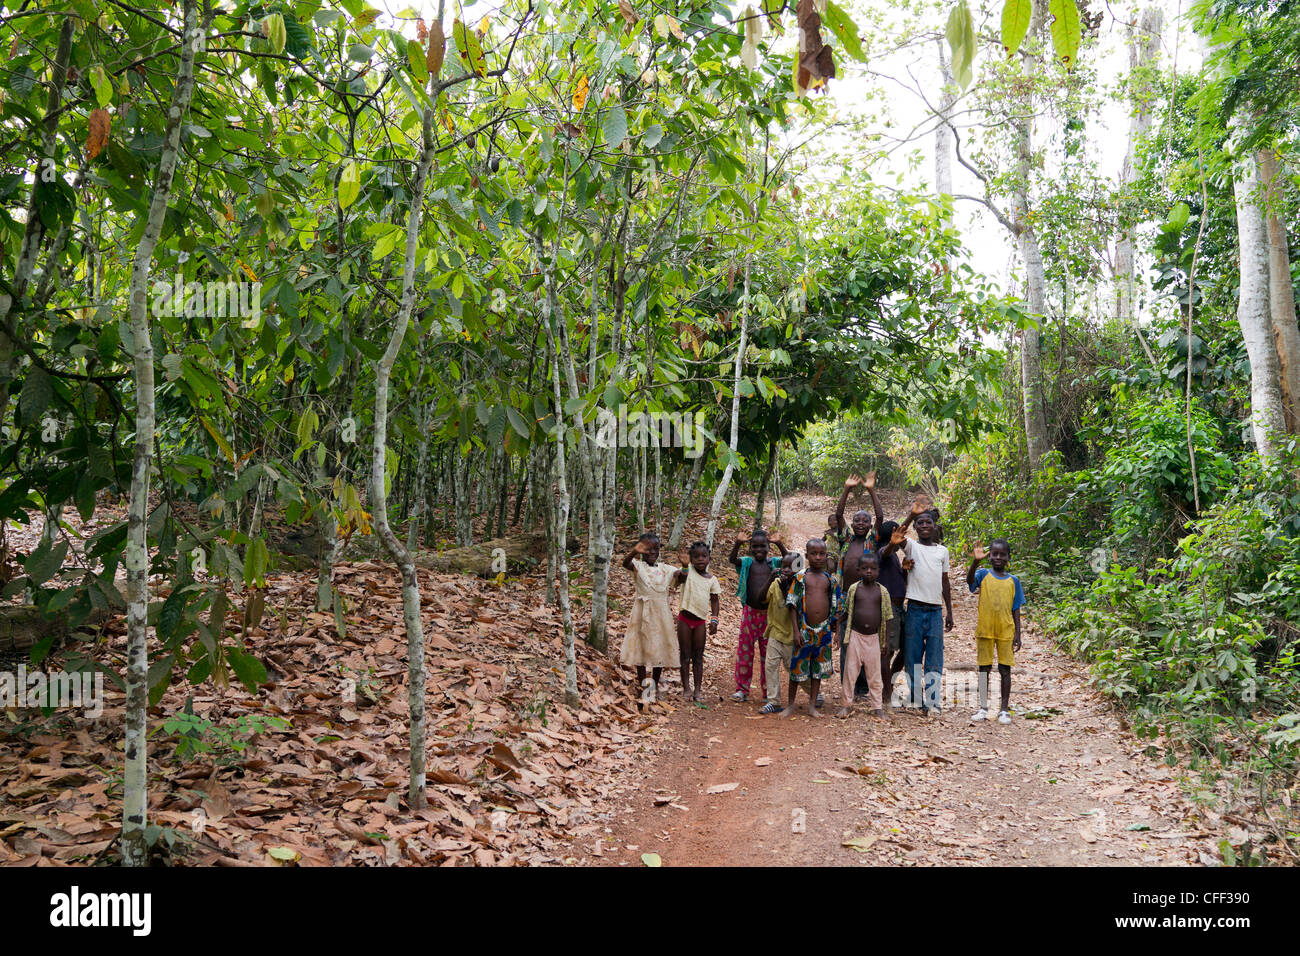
[918, 508]
[977, 555]
[637, 549]
[849, 483]
[896, 542]
[870, 484]
[780, 545]
[734, 557]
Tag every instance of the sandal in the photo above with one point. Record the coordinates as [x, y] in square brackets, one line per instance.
[740, 696]
[770, 708]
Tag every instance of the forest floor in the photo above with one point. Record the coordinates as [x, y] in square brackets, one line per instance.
[1063, 784]
[516, 779]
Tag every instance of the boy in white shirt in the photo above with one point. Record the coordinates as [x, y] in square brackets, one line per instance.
[928, 593]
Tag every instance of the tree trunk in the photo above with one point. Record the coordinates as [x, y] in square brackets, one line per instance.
[1032, 257]
[1253, 313]
[762, 486]
[1143, 48]
[943, 142]
[684, 508]
[721, 491]
[135, 852]
[1286, 334]
[562, 499]
[415, 670]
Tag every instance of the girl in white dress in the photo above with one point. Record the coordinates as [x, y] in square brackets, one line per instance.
[651, 639]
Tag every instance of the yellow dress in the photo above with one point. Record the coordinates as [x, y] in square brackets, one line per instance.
[651, 639]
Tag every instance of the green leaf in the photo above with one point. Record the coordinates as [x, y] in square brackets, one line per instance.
[468, 46]
[1067, 32]
[415, 59]
[1015, 23]
[35, 397]
[250, 671]
[349, 184]
[517, 422]
[651, 137]
[102, 85]
[615, 126]
[651, 859]
[43, 563]
[960, 31]
[847, 31]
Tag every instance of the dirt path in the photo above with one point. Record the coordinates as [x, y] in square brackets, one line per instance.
[1062, 784]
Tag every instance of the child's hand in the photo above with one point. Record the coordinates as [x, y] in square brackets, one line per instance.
[919, 507]
[978, 553]
[641, 547]
[898, 537]
[852, 481]
[775, 540]
[908, 564]
[1015, 645]
[713, 627]
[947, 624]
[742, 536]
[869, 482]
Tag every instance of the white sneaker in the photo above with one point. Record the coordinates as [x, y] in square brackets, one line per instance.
[979, 715]
[1004, 717]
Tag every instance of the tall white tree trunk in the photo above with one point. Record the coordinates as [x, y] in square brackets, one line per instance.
[943, 141]
[1253, 313]
[1030, 254]
[135, 852]
[415, 671]
[560, 536]
[1286, 334]
[721, 491]
[1143, 48]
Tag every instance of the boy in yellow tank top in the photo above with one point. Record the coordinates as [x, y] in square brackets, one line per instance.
[998, 624]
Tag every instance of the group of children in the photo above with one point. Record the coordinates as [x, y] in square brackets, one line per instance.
[864, 589]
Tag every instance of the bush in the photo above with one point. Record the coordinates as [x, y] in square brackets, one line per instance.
[833, 449]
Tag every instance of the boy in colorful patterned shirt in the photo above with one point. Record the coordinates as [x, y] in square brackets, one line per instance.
[998, 624]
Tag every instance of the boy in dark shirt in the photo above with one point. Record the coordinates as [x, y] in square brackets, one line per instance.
[894, 579]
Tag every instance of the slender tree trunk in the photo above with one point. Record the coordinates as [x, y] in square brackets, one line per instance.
[1253, 313]
[135, 774]
[397, 552]
[1032, 257]
[943, 142]
[684, 508]
[776, 515]
[762, 486]
[1286, 333]
[721, 491]
[560, 539]
[1143, 48]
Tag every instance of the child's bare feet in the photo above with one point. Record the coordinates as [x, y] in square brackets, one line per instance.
[814, 712]
[788, 712]
[878, 712]
[844, 712]
[699, 696]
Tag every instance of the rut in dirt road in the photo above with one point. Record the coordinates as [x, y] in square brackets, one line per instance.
[721, 784]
